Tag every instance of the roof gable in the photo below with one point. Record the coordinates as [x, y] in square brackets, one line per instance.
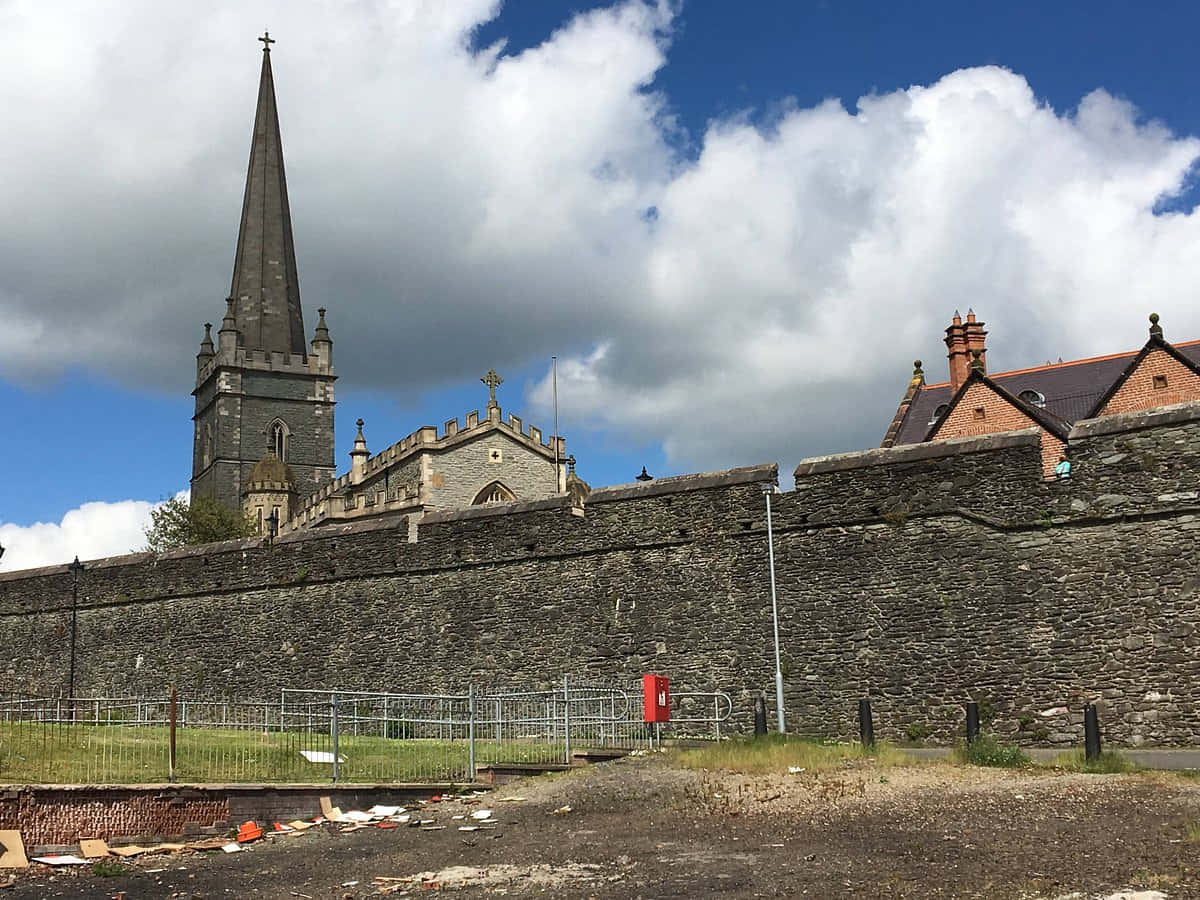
[977, 381]
[1156, 344]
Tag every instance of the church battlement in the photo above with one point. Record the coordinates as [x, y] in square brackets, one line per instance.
[264, 361]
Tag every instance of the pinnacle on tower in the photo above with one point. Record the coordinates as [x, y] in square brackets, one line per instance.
[266, 287]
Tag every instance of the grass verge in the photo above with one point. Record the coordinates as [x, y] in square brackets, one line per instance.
[779, 753]
[1109, 763]
[985, 750]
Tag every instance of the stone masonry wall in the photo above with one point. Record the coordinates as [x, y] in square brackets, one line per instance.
[921, 576]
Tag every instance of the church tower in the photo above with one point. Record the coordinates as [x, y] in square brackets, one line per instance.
[260, 391]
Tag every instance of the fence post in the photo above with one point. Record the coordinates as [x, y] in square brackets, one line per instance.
[333, 727]
[471, 730]
[866, 727]
[1091, 732]
[972, 721]
[567, 716]
[171, 739]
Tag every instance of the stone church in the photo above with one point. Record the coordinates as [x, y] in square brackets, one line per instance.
[264, 415]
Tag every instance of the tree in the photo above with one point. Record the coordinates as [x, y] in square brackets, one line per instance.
[177, 523]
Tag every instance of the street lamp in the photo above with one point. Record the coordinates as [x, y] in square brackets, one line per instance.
[74, 568]
[273, 524]
[768, 490]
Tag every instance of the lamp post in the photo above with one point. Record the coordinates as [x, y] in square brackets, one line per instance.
[74, 568]
[768, 490]
[273, 524]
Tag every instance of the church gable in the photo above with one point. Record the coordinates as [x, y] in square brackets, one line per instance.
[1157, 377]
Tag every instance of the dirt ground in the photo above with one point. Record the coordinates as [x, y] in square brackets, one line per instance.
[645, 828]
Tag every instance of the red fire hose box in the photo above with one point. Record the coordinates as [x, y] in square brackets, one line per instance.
[656, 698]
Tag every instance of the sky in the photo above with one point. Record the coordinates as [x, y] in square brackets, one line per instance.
[735, 225]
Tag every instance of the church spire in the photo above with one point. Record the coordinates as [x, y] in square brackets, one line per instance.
[266, 288]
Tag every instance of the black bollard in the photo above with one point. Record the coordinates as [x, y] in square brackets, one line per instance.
[972, 721]
[866, 728]
[760, 716]
[1091, 732]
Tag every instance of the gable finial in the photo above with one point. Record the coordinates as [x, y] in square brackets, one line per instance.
[493, 381]
[1155, 329]
[267, 41]
[918, 375]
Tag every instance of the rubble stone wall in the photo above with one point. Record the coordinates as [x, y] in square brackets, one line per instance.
[920, 576]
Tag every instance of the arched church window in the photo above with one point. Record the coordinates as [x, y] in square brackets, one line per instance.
[494, 493]
[1035, 398]
[278, 444]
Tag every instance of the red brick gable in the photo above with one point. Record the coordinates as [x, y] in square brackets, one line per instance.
[1157, 378]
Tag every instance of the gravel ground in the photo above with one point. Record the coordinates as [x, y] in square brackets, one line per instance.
[645, 828]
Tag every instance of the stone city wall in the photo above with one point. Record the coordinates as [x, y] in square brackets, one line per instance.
[920, 576]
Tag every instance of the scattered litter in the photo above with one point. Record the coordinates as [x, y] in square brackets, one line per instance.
[481, 814]
[511, 800]
[349, 883]
[299, 825]
[433, 827]
[329, 811]
[129, 851]
[232, 847]
[404, 820]
[249, 831]
[12, 851]
[356, 815]
[458, 817]
[207, 844]
[321, 756]
[386, 825]
[427, 821]
[468, 827]
[93, 849]
[796, 770]
[154, 871]
[561, 811]
[280, 828]
[165, 848]
[64, 860]
[385, 811]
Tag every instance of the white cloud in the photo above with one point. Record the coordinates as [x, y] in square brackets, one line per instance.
[455, 209]
[91, 531]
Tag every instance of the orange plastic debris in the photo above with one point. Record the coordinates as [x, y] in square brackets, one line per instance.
[248, 832]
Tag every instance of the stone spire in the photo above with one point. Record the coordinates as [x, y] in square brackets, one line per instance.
[266, 287]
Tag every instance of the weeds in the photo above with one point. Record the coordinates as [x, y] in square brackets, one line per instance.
[1193, 831]
[779, 753]
[1109, 763]
[106, 869]
[985, 750]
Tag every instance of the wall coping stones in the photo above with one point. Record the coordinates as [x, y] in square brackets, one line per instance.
[675, 484]
[1177, 414]
[862, 459]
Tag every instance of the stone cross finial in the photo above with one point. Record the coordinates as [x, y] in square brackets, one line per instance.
[571, 463]
[267, 41]
[493, 381]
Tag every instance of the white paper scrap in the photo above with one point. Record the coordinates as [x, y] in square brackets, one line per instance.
[385, 811]
[321, 756]
[481, 814]
[357, 815]
[66, 860]
[232, 847]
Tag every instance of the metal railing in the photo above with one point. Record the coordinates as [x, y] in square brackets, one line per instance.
[330, 735]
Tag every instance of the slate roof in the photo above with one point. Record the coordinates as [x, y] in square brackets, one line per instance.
[1071, 389]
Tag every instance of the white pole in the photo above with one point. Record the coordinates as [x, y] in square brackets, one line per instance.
[775, 616]
[557, 470]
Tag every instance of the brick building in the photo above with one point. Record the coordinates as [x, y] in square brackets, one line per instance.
[264, 412]
[1050, 397]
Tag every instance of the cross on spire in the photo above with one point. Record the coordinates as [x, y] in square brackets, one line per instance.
[493, 381]
[267, 41]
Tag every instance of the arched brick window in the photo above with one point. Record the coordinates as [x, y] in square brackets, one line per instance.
[494, 493]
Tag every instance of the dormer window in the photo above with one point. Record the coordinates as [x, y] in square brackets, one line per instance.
[1034, 398]
[938, 413]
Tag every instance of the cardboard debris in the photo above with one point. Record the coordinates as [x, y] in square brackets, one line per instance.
[329, 811]
[357, 815]
[385, 811]
[321, 756]
[207, 844]
[129, 851]
[511, 800]
[93, 849]
[561, 811]
[165, 848]
[299, 825]
[64, 860]
[12, 851]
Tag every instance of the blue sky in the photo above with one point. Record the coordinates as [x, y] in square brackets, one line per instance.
[81, 429]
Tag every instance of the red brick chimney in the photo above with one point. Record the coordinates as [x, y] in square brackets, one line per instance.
[961, 339]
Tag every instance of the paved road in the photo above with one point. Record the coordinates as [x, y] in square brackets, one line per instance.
[1176, 759]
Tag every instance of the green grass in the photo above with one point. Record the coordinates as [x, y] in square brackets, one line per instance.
[33, 752]
[778, 753]
[985, 750]
[1109, 763]
[1193, 831]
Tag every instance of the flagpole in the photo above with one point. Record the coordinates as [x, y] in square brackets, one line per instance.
[557, 470]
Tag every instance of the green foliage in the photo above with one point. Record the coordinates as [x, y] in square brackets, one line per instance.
[1193, 831]
[177, 523]
[917, 731]
[985, 750]
[1109, 763]
[109, 869]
